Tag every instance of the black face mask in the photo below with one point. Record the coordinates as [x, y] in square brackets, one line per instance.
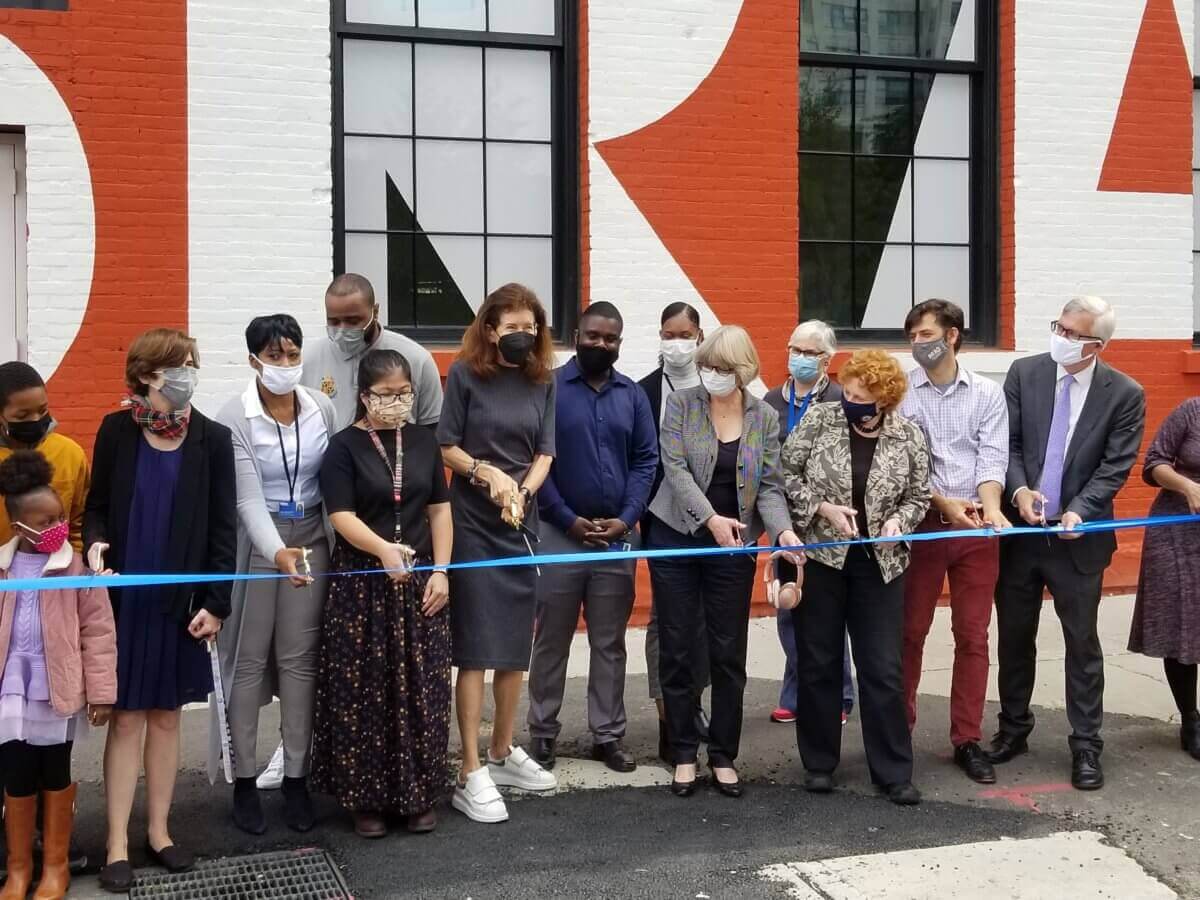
[29, 433]
[857, 413]
[594, 360]
[516, 347]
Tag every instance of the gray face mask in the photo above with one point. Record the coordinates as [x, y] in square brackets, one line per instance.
[930, 353]
[351, 341]
[179, 384]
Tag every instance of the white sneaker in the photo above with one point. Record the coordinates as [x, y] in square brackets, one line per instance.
[520, 770]
[271, 778]
[479, 800]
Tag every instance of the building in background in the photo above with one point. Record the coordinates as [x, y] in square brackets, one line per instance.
[197, 162]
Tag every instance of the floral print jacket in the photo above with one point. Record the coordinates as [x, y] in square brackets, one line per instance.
[816, 469]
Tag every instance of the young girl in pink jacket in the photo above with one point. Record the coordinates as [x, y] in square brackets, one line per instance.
[59, 654]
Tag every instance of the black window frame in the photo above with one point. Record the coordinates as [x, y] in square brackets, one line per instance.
[984, 221]
[564, 147]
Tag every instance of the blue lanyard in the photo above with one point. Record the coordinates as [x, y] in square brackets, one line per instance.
[794, 416]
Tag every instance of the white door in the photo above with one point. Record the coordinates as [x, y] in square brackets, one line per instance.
[12, 247]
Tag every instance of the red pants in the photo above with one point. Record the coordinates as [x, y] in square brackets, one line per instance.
[973, 565]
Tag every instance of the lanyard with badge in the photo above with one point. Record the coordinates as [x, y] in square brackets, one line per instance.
[793, 414]
[397, 471]
[291, 509]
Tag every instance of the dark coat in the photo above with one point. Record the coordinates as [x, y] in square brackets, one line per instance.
[1103, 448]
[204, 518]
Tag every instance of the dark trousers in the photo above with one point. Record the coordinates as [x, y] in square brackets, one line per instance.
[971, 564]
[717, 587]
[856, 599]
[1029, 564]
[30, 769]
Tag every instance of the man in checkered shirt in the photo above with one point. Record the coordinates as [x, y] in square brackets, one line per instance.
[965, 420]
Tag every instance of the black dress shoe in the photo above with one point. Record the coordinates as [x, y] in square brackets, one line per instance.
[972, 760]
[614, 755]
[297, 805]
[902, 793]
[247, 807]
[701, 723]
[543, 752]
[1189, 733]
[1086, 774]
[818, 782]
[683, 788]
[664, 745]
[730, 789]
[173, 858]
[117, 877]
[1004, 747]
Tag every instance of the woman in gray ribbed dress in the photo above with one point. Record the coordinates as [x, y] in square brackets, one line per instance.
[497, 435]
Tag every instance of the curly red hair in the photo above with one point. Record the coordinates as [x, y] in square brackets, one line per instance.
[879, 373]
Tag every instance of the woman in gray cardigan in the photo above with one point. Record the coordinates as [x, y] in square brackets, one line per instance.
[721, 488]
[269, 645]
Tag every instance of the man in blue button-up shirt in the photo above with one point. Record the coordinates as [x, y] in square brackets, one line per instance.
[597, 490]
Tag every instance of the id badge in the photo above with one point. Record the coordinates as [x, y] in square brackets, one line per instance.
[291, 510]
[620, 546]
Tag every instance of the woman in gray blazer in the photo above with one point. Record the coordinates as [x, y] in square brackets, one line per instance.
[721, 488]
[269, 645]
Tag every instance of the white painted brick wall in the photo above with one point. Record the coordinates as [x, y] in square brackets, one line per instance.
[259, 177]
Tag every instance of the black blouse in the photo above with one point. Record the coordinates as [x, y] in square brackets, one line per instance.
[722, 490]
[862, 454]
[355, 479]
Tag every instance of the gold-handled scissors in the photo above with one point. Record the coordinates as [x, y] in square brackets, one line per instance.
[304, 559]
[516, 511]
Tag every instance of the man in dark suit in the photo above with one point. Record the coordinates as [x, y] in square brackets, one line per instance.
[1075, 426]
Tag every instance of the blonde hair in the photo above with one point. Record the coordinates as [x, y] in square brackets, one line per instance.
[729, 347]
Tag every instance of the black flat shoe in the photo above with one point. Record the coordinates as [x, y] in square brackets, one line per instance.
[1189, 734]
[614, 755]
[543, 752]
[818, 782]
[972, 760]
[173, 858]
[117, 877]
[1005, 748]
[1086, 774]
[683, 788]
[297, 805]
[902, 793]
[733, 789]
[247, 807]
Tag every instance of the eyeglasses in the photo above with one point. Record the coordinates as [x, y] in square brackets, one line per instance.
[389, 398]
[811, 354]
[717, 370]
[1057, 328]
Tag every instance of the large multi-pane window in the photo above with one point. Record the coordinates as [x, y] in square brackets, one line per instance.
[896, 174]
[452, 164]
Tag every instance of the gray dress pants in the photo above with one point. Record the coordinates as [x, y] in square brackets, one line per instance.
[280, 629]
[604, 592]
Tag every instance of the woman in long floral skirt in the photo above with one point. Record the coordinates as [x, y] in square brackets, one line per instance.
[383, 682]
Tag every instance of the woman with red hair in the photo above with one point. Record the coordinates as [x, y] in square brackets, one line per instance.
[856, 468]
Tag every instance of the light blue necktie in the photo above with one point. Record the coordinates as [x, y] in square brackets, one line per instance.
[1056, 449]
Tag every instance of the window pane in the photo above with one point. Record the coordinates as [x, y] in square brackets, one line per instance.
[825, 108]
[518, 188]
[525, 260]
[518, 95]
[378, 183]
[888, 27]
[945, 119]
[521, 16]
[947, 29]
[382, 12]
[449, 91]
[468, 14]
[945, 273]
[883, 285]
[882, 207]
[449, 279]
[825, 283]
[883, 112]
[825, 197]
[450, 185]
[828, 26]
[942, 191]
[377, 85]
[385, 259]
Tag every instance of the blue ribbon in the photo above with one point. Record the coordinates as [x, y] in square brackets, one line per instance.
[72, 582]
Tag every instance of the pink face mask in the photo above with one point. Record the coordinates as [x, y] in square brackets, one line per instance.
[49, 541]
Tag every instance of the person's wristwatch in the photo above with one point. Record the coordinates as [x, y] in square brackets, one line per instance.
[526, 494]
[473, 472]
[439, 570]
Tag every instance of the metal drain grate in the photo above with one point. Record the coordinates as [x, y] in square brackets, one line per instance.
[287, 875]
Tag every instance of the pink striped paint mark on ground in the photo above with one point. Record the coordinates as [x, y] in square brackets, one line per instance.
[1023, 797]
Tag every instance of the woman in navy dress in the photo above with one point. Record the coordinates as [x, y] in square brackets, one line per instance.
[162, 500]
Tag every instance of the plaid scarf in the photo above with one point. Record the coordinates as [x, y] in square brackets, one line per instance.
[172, 425]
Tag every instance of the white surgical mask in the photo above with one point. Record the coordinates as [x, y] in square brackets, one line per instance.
[716, 384]
[351, 341]
[1065, 351]
[280, 380]
[679, 352]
